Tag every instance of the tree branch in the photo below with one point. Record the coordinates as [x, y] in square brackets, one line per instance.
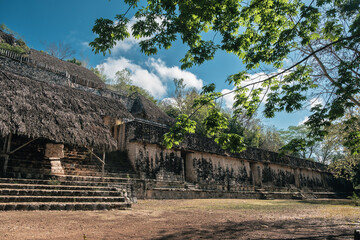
[326, 74]
[296, 64]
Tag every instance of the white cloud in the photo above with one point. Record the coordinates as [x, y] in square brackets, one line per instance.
[139, 76]
[85, 44]
[228, 99]
[125, 45]
[316, 101]
[169, 73]
[303, 121]
[154, 78]
[169, 101]
[253, 79]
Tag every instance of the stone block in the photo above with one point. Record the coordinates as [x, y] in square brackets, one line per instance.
[54, 151]
[56, 167]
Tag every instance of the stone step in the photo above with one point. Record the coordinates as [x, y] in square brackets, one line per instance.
[11, 198]
[44, 192]
[30, 206]
[79, 166]
[15, 158]
[90, 166]
[88, 171]
[83, 169]
[95, 178]
[35, 194]
[64, 182]
[122, 175]
[18, 168]
[170, 184]
[83, 173]
[99, 174]
[34, 174]
[23, 165]
[56, 187]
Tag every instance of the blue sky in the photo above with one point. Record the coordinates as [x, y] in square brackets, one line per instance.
[70, 22]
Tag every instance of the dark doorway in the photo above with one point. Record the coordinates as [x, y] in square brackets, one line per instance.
[183, 156]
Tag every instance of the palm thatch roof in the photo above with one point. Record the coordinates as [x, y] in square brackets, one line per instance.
[75, 70]
[143, 108]
[38, 109]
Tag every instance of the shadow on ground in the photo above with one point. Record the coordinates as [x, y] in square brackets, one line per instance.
[314, 229]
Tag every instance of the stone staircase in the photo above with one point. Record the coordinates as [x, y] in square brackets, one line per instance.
[296, 195]
[117, 165]
[68, 193]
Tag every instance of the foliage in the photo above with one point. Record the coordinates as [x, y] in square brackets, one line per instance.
[75, 61]
[344, 164]
[347, 167]
[122, 80]
[296, 145]
[123, 85]
[13, 41]
[213, 121]
[12, 33]
[255, 134]
[241, 130]
[16, 49]
[99, 73]
[355, 198]
[324, 34]
[270, 139]
[178, 131]
[181, 102]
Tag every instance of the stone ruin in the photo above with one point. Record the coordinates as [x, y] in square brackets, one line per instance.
[59, 123]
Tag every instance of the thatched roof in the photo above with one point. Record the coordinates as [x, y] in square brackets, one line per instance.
[143, 108]
[38, 109]
[73, 69]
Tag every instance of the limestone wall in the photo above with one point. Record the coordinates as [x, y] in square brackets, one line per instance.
[154, 162]
[202, 162]
[153, 133]
[216, 172]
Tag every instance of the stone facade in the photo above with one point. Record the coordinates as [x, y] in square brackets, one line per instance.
[201, 162]
[199, 167]
[188, 171]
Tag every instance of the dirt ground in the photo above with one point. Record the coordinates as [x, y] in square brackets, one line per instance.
[191, 219]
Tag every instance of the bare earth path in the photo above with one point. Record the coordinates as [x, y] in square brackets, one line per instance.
[191, 219]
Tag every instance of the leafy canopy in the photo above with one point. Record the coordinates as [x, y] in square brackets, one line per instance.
[323, 35]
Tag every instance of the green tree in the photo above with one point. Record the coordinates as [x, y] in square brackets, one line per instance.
[123, 85]
[343, 163]
[75, 61]
[122, 80]
[182, 102]
[295, 138]
[270, 139]
[254, 134]
[12, 41]
[325, 151]
[100, 73]
[324, 34]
